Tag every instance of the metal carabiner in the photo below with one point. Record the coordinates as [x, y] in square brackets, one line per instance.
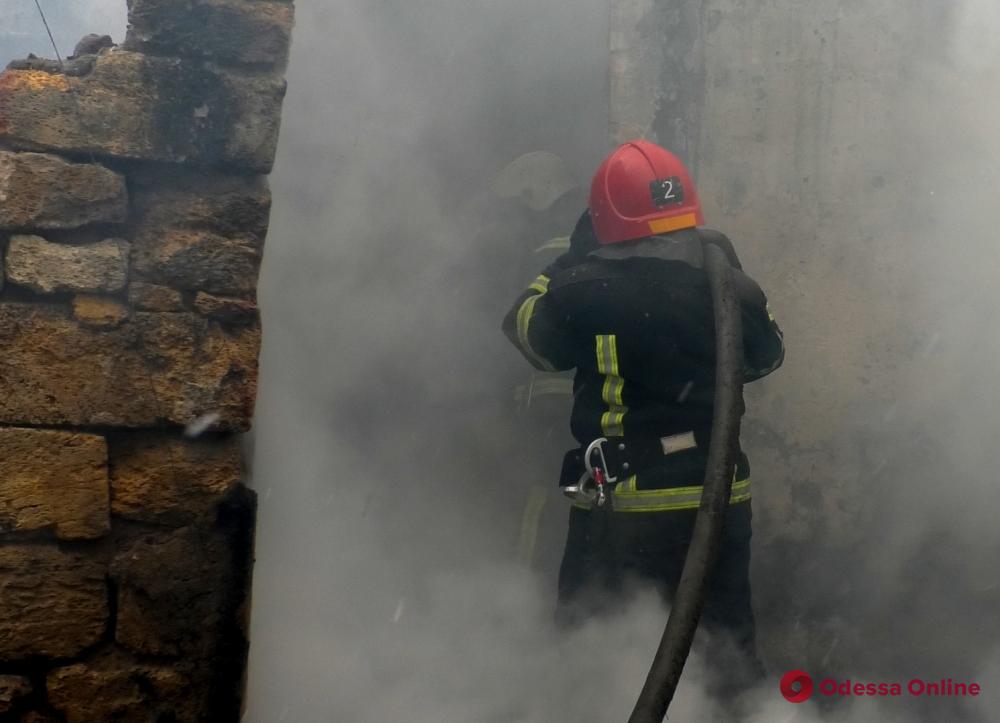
[597, 446]
[599, 473]
[591, 489]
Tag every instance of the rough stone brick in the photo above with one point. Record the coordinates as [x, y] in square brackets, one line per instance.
[225, 308]
[99, 312]
[201, 233]
[184, 593]
[154, 369]
[151, 297]
[123, 691]
[170, 593]
[92, 44]
[228, 31]
[198, 260]
[48, 268]
[163, 478]
[52, 603]
[148, 108]
[227, 205]
[53, 480]
[46, 192]
[12, 689]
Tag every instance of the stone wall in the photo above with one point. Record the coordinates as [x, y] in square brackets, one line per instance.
[133, 211]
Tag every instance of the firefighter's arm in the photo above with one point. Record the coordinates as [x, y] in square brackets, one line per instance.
[763, 343]
[536, 327]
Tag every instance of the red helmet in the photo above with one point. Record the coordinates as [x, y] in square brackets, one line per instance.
[642, 190]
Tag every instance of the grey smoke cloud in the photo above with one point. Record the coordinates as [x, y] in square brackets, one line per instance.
[386, 490]
[382, 478]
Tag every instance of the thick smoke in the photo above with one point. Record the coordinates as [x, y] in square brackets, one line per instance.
[389, 518]
[384, 587]
[898, 578]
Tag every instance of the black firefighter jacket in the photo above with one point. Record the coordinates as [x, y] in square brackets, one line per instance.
[635, 320]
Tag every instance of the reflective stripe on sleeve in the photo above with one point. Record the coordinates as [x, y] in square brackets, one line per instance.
[524, 314]
[541, 284]
[542, 387]
[557, 243]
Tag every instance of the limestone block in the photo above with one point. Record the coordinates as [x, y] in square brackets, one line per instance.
[52, 603]
[179, 593]
[198, 260]
[228, 31]
[149, 108]
[165, 478]
[153, 369]
[124, 692]
[151, 297]
[201, 233]
[92, 44]
[99, 312]
[54, 479]
[225, 308]
[227, 205]
[12, 689]
[46, 192]
[48, 268]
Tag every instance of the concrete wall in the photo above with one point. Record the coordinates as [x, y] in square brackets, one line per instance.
[828, 141]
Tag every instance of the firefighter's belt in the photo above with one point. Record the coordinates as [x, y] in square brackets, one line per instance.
[625, 460]
[626, 498]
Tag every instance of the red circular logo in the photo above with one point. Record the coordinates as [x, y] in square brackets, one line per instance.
[796, 686]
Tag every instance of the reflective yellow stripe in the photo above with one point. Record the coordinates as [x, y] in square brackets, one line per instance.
[559, 386]
[530, 520]
[626, 498]
[630, 499]
[524, 314]
[559, 242]
[541, 284]
[628, 489]
[607, 364]
[739, 498]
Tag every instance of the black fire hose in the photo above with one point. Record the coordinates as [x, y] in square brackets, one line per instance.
[706, 539]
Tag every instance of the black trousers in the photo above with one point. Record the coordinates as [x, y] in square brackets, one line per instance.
[606, 553]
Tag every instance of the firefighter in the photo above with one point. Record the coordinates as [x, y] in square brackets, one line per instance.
[534, 201]
[628, 307]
